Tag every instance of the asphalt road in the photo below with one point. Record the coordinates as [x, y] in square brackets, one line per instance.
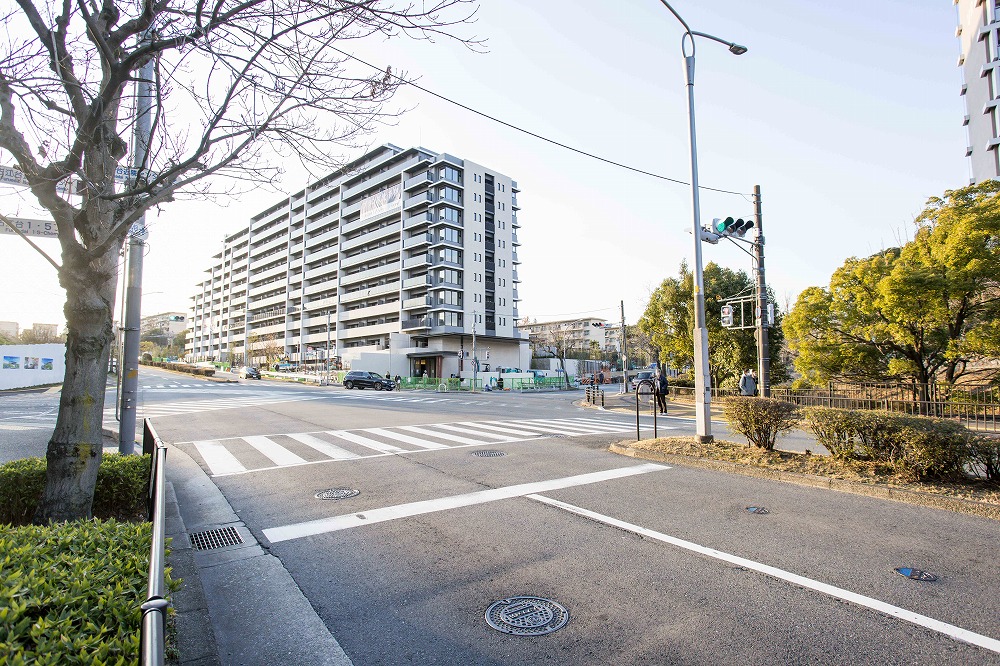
[654, 564]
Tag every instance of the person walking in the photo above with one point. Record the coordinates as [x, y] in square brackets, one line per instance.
[661, 388]
[748, 385]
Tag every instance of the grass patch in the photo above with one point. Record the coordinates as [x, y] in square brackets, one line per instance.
[804, 463]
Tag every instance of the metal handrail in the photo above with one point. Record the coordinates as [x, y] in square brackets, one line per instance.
[154, 609]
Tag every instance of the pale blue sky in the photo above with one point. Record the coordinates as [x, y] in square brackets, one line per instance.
[847, 114]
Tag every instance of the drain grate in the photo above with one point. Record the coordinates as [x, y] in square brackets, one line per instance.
[758, 510]
[488, 453]
[526, 616]
[217, 538]
[916, 574]
[337, 493]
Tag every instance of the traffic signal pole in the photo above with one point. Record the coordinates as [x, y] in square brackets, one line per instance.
[763, 351]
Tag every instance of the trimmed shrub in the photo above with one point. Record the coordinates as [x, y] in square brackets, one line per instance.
[916, 447]
[120, 491]
[70, 592]
[984, 457]
[760, 420]
[835, 429]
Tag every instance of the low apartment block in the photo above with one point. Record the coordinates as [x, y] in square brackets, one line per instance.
[403, 256]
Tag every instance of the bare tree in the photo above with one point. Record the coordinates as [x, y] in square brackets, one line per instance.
[234, 86]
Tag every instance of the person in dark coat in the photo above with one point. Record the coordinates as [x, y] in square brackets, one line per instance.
[661, 388]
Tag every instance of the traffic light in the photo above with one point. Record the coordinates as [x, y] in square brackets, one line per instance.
[727, 316]
[732, 226]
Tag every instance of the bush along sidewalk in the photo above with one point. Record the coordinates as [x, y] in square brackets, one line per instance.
[70, 592]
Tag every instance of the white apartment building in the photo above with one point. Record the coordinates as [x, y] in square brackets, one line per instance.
[578, 333]
[170, 323]
[979, 34]
[406, 253]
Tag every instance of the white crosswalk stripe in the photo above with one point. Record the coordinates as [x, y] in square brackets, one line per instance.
[161, 409]
[239, 455]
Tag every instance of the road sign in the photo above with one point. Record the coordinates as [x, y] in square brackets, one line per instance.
[28, 227]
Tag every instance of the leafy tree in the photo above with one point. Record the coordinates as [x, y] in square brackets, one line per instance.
[669, 322]
[926, 311]
[232, 84]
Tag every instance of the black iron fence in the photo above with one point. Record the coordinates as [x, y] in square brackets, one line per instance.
[977, 408]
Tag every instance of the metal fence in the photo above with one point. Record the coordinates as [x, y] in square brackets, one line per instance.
[154, 609]
[977, 408]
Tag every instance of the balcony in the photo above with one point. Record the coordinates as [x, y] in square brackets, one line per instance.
[417, 241]
[417, 302]
[418, 220]
[413, 324]
[417, 282]
[422, 198]
[514, 241]
[419, 260]
[425, 178]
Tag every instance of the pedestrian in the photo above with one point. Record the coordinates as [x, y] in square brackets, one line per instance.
[600, 378]
[398, 379]
[756, 384]
[661, 388]
[748, 385]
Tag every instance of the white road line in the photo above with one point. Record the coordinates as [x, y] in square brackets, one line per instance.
[218, 458]
[607, 427]
[562, 428]
[422, 443]
[442, 435]
[335, 523]
[951, 630]
[324, 447]
[364, 441]
[275, 452]
[512, 431]
[470, 431]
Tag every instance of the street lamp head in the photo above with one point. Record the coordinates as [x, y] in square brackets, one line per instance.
[736, 49]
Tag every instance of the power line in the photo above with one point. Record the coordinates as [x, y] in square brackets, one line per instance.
[530, 133]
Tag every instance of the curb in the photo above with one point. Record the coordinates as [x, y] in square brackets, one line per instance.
[970, 507]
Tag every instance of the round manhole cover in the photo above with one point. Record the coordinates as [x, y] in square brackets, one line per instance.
[526, 616]
[759, 510]
[337, 493]
[489, 453]
[916, 574]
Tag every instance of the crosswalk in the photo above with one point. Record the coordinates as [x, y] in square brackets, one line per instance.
[161, 409]
[239, 455]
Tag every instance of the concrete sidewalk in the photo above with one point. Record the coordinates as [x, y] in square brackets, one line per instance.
[237, 604]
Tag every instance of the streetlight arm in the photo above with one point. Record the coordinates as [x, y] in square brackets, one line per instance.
[736, 49]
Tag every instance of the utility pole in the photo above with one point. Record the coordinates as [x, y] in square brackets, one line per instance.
[475, 361]
[129, 363]
[328, 346]
[624, 355]
[763, 352]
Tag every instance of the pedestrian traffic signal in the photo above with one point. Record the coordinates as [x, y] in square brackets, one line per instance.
[731, 226]
[727, 316]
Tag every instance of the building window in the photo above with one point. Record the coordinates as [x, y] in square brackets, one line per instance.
[452, 174]
[451, 215]
[450, 235]
[449, 319]
[450, 276]
[449, 297]
[449, 254]
[451, 194]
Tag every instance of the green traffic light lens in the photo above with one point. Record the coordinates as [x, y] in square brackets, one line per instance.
[722, 225]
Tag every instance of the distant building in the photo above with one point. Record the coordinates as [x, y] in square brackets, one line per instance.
[402, 257]
[578, 333]
[170, 323]
[10, 329]
[978, 26]
[45, 331]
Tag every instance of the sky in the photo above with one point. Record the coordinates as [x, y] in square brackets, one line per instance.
[846, 114]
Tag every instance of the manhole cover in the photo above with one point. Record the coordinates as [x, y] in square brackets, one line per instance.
[337, 493]
[488, 454]
[915, 574]
[759, 510]
[217, 538]
[526, 616]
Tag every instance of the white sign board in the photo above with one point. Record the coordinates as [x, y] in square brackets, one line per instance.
[42, 228]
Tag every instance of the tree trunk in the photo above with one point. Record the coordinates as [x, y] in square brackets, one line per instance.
[74, 451]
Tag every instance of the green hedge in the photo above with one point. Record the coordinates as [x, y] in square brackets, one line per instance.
[182, 367]
[70, 592]
[120, 492]
[760, 420]
[915, 446]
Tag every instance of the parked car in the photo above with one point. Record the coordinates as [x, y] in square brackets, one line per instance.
[249, 372]
[361, 379]
[646, 376]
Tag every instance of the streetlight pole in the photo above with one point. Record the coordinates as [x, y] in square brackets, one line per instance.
[702, 381]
